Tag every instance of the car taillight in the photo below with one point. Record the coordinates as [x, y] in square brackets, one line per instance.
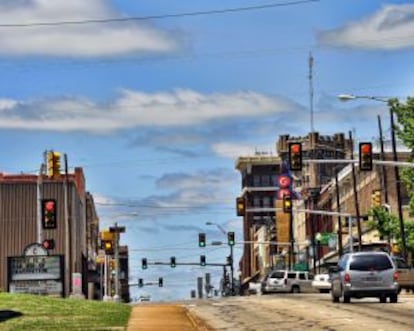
[347, 278]
[395, 276]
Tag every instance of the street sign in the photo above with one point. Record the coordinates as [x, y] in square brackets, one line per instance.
[284, 181]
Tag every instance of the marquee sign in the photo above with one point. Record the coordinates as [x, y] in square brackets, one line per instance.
[36, 272]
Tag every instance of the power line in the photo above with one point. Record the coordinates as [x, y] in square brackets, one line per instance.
[156, 17]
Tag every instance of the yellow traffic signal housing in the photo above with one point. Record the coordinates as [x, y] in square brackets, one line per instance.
[53, 164]
[376, 198]
[240, 206]
[56, 164]
[112, 264]
[365, 156]
[295, 156]
[108, 247]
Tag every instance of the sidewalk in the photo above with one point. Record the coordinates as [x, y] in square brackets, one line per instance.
[160, 317]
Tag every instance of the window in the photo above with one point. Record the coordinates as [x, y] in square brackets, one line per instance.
[368, 262]
[291, 275]
[302, 275]
[278, 275]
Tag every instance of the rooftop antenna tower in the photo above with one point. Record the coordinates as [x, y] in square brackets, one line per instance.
[311, 90]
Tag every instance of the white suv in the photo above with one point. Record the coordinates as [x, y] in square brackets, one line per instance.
[287, 281]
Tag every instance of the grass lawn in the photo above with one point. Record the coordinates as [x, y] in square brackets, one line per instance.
[35, 312]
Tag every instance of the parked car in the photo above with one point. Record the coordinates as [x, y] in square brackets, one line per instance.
[287, 281]
[405, 274]
[322, 283]
[364, 274]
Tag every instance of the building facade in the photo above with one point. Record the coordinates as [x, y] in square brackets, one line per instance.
[75, 237]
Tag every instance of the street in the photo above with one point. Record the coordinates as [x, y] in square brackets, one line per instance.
[304, 312]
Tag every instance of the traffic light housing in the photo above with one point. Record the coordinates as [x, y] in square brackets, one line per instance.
[240, 206]
[203, 260]
[287, 204]
[376, 198]
[230, 238]
[295, 156]
[144, 263]
[173, 262]
[140, 282]
[160, 282]
[53, 164]
[365, 156]
[112, 264]
[48, 244]
[49, 214]
[107, 246]
[202, 240]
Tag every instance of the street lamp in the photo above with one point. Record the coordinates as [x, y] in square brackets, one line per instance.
[391, 103]
[223, 231]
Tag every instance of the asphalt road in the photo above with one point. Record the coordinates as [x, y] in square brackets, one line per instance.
[304, 312]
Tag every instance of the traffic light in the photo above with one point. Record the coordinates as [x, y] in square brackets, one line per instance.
[203, 260]
[295, 156]
[140, 282]
[230, 238]
[49, 213]
[202, 240]
[53, 164]
[108, 246]
[172, 261]
[144, 263]
[240, 206]
[229, 260]
[376, 198]
[112, 264]
[287, 204]
[365, 156]
[48, 244]
[160, 282]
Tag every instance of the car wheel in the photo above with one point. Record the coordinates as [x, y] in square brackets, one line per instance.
[347, 299]
[295, 289]
[394, 298]
[383, 299]
[335, 299]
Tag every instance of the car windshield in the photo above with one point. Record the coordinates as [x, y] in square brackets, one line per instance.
[370, 262]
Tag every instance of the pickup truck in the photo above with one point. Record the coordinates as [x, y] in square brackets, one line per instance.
[405, 275]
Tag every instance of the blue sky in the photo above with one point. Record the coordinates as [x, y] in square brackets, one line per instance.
[157, 110]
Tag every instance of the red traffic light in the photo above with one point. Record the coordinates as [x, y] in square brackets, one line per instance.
[48, 244]
[365, 156]
[295, 156]
[49, 214]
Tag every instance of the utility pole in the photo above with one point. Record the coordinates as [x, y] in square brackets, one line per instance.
[354, 184]
[116, 230]
[398, 185]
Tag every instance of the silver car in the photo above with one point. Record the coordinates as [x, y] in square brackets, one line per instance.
[364, 274]
[287, 281]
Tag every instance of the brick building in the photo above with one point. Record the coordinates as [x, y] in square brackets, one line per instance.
[20, 227]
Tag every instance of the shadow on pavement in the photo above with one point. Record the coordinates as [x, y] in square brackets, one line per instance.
[8, 314]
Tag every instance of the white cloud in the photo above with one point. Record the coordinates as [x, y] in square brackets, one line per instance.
[133, 109]
[234, 150]
[389, 28]
[85, 40]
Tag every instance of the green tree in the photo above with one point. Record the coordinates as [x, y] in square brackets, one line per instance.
[385, 223]
[405, 131]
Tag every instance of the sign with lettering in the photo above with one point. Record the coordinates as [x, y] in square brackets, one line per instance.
[35, 272]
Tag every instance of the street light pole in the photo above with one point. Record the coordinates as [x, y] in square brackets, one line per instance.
[392, 104]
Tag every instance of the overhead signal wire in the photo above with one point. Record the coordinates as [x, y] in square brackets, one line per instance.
[156, 17]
